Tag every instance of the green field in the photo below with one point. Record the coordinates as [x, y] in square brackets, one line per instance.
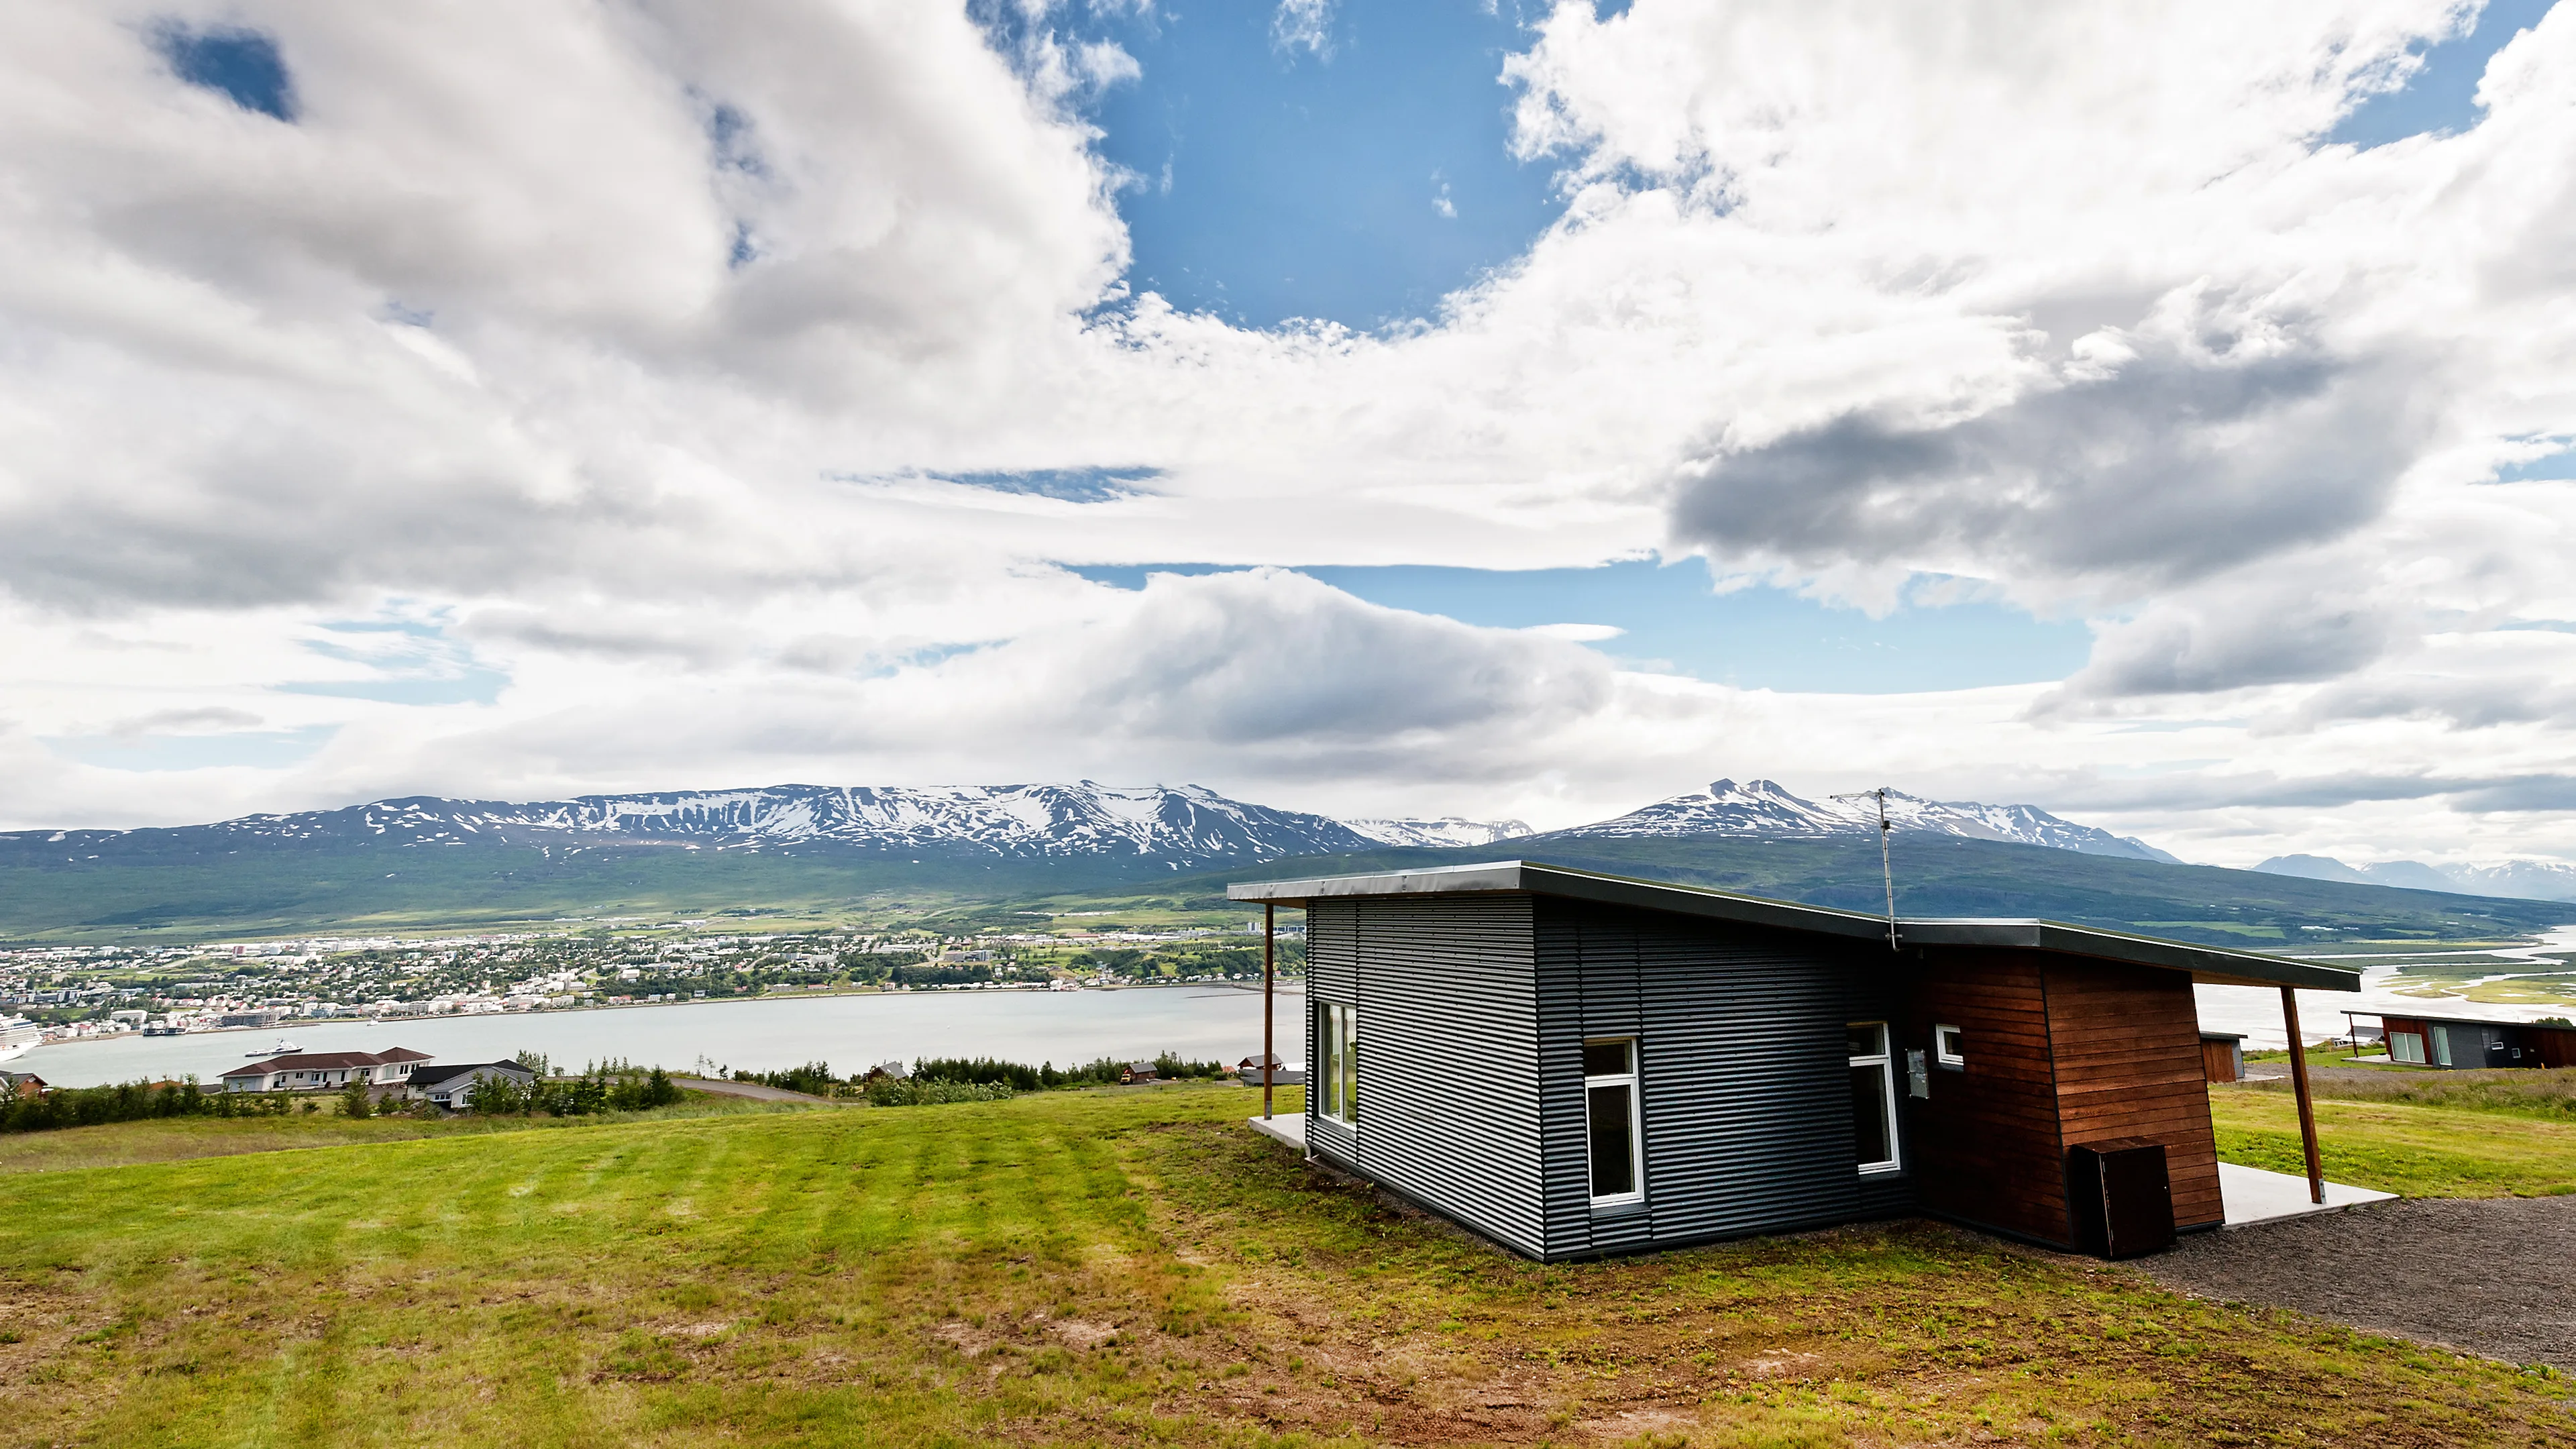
[1104, 1267]
[2484, 1146]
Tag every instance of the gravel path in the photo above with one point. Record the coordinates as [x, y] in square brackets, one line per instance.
[2492, 1276]
[754, 1090]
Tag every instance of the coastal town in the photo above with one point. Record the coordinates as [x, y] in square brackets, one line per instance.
[67, 993]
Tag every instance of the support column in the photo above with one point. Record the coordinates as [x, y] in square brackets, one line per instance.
[2307, 1108]
[1269, 1034]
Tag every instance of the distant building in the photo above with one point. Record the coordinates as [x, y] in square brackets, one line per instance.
[1135, 1073]
[2222, 1056]
[324, 1071]
[452, 1087]
[23, 1084]
[2460, 1043]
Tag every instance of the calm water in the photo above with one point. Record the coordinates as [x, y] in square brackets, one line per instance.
[851, 1032]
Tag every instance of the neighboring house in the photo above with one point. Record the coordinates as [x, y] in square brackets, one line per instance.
[1659, 1065]
[326, 1071]
[451, 1087]
[2463, 1042]
[887, 1072]
[23, 1084]
[2222, 1056]
[1137, 1072]
[1281, 1074]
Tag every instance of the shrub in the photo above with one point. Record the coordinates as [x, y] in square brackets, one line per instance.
[898, 1092]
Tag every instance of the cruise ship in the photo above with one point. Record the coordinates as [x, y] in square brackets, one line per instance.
[17, 1034]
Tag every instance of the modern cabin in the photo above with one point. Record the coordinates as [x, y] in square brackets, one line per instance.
[1662, 1065]
[2460, 1043]
[2222, 1056]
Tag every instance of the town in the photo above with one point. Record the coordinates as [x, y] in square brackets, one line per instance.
[74, 992]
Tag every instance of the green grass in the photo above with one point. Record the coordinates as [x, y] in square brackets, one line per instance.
[1112, 1267]
[174, 1139]
[2419, 1151]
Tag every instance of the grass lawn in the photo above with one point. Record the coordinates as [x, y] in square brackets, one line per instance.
[2421, 1151]
[172, 1139]
[1107, 1267]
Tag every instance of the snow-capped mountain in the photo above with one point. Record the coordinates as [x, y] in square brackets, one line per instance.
[1448, 830]
[1183, 825]
[1762, 808]
[2529, 880]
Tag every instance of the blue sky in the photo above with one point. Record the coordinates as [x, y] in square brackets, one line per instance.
[1356, 182]
[1671, 620]
[2443, 95]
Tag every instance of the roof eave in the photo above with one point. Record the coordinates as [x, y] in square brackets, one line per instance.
[2207, 965]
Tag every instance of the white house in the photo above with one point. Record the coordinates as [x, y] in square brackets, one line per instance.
[324, 1071]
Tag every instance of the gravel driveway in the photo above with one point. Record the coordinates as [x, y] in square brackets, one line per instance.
[2491, 1276]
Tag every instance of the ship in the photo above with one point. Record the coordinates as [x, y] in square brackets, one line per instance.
[17, 1034]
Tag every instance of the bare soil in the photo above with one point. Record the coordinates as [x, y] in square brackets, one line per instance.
[2493, 1276]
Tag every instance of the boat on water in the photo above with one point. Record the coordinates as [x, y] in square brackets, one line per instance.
[17, 1035]
[283, 1048]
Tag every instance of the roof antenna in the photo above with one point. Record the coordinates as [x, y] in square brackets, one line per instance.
[1886, 870]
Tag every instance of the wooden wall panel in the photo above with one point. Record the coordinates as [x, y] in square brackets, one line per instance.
[1987, 1146]
[2129, 1065]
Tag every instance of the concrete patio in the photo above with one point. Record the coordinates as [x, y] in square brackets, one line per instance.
[2252, 1195]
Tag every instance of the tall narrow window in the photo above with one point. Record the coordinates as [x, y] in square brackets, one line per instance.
[1611, 1121]
[1337, 1061]
[1873, 1089]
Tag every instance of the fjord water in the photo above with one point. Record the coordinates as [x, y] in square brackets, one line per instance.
[1202, 1023]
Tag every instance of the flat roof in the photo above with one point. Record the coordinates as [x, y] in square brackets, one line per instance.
[2211, 965]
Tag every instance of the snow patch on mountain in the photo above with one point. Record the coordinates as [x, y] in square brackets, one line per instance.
[2527, 880]
[1763, 808]
[1448, 830]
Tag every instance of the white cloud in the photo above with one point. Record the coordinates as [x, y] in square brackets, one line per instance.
[575, 325]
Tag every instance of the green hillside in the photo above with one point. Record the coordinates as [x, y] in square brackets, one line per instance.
[360, 887]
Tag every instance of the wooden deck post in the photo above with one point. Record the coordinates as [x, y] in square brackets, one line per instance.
[1269, 1053]
[2307, 1109]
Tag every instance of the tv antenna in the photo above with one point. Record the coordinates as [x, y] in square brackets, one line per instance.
[1886, 870]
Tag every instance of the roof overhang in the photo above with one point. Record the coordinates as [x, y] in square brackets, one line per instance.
[2210, 965]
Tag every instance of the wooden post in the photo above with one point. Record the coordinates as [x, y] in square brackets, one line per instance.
[2307, 1108]
[1269, 1052]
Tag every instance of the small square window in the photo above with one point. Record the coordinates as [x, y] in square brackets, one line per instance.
[1607, 1058]
[1949, 1046]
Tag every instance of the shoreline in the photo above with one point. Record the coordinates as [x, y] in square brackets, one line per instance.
[309, 1022]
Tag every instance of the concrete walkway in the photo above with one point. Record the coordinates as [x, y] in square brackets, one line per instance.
[2252, 1195]
[1287, 1128]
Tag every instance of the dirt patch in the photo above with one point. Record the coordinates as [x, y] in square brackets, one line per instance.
[2491, 1276]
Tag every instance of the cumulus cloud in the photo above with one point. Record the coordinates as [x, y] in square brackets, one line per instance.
[635, 341]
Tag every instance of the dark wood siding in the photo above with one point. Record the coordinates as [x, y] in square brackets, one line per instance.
[1986, 1140]
[1448, 1059]
[1745, 1084]
[2218, 1060]
[2555, 1046]
[2128, 1065]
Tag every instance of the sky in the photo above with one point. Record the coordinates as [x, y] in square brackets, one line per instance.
[2162, 415]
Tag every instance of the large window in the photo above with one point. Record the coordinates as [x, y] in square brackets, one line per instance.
[1337, 1061]
[2406, 1046]
[1611, 1121]
[1873, 1092]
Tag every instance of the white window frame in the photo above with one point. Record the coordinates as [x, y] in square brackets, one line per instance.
[1943, 1039]
[2399, 1054]
[1636, 1124]
[1335, 1089]
[1895, 1161]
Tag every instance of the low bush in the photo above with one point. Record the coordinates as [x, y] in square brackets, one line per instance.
[902, 1092]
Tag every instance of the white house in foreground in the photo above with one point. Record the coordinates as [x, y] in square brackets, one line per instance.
[323, 1071]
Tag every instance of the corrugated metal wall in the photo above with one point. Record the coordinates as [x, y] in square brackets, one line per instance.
[1744, 1073]
[1449, 1058]
[1332, 974]
[1473, 1013]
